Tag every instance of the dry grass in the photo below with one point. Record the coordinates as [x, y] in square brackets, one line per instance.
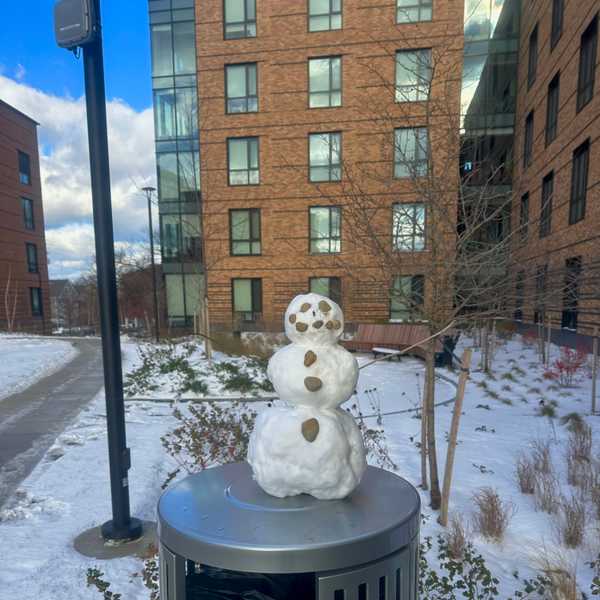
[572, 521]
[595, 488]
[580, 472]
[562, 574]
[525, 472]
[541, 456]
[580, 442]
[547, 497]
[492, 515]
[457, 536]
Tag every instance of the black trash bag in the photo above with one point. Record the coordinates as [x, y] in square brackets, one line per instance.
[209, 583]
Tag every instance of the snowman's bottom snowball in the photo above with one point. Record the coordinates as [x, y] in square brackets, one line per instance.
[285, 464]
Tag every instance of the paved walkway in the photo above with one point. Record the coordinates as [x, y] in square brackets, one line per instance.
[31, 420]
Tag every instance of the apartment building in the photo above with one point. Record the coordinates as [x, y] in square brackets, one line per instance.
[300, 108]
[23, 263]
[556, 213]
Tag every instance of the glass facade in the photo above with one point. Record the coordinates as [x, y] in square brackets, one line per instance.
[172, 35]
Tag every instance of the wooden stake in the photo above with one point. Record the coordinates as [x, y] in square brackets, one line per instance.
[594, 368]
[424, 484]
[549, 341]
[452, 439]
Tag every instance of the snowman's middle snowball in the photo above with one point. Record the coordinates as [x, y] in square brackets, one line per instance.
[286, 464]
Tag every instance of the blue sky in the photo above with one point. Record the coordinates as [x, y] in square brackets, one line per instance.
[27, 39]
[46, 82]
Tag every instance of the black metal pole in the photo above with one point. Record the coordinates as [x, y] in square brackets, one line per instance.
[149, 191]
[122, 526]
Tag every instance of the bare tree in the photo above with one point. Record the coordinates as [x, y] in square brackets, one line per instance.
[10, 303]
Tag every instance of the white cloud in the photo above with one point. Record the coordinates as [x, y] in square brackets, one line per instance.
[64, 165]
[20, 72]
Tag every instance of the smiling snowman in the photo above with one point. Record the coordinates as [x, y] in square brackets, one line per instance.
[311, 446]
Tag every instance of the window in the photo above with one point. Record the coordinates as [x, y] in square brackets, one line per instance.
[533, 57]
[541, 282]
[528, 141]
[164, 114]
[325, 229]
[587, 64]
[162, 49]
[243, 161]
[546, 209]
[411, 152]
[552, 105]
[24, 168]
[240, 19]
[325, 152]
[519, 295]
[241, 88]
[28, 219]
[407, 298]
[408, 223]
[413, 75]
[325, 82]
[244, 227]
[32, 258]
[524, 217]
[35, 297]
[247, 298]
[558, 9]
[324, 15]
[571, 293]
[410, 11]
[184, 292]
[331, 287]
[180, 238]
[184, 48]
[579, 180]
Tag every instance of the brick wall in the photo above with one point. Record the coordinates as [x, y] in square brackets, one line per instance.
[19, 133]
[367, 43]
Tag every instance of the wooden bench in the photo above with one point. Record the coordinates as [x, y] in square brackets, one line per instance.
[392, 336]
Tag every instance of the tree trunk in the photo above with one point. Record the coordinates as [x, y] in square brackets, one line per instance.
[207, 341]
[435, 494]
[424, 484]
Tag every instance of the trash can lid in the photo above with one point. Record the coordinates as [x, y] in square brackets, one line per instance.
[222, 518]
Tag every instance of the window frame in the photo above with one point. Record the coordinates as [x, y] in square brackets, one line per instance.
[24, 175]
[331, 89]
[331, 165]
[31, 252]
[329, 14]
[519, 295]
[587, 76]
[415, 235]
[248, 157]
[246, 22]
[331, 238]
[571, 293]
[552, 108]
[337, 297]
[556, 28]
[524, 207]
[528, 139]
[416, 281]
[418, 85]
[546, 202]
[577, 204]
[252, 213]
[36, 291]
[417, 161]
[28, 223]
[533, 56]
[418, 4]
[247, 97]
[253, 295]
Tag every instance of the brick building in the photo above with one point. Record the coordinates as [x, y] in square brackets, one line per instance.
[557, 168]
[23, 263]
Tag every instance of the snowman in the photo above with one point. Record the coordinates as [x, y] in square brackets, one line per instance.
[310, 446]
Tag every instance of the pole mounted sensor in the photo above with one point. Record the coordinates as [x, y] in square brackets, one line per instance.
[75, 23]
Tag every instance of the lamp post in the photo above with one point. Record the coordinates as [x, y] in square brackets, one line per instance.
[149, 190]
[78, 25]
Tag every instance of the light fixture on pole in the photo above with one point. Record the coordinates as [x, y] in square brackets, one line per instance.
[149, 190]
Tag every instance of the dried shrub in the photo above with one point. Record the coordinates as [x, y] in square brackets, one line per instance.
[580, 442]
[525, 472]
[572, 521]
[595, 488]
[541, 456]
[561, 576]
[492, 515]
[572, 421]
[568, 366]
[547, 493]
[456, 537]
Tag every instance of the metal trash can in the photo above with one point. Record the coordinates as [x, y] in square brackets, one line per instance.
[362, 548]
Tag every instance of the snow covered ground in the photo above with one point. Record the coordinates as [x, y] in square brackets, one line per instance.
[26, 360]
[501, 417]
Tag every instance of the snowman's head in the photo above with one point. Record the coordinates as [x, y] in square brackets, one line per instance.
[313, 319]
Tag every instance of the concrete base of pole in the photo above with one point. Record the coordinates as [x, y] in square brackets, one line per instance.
[92, 544]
